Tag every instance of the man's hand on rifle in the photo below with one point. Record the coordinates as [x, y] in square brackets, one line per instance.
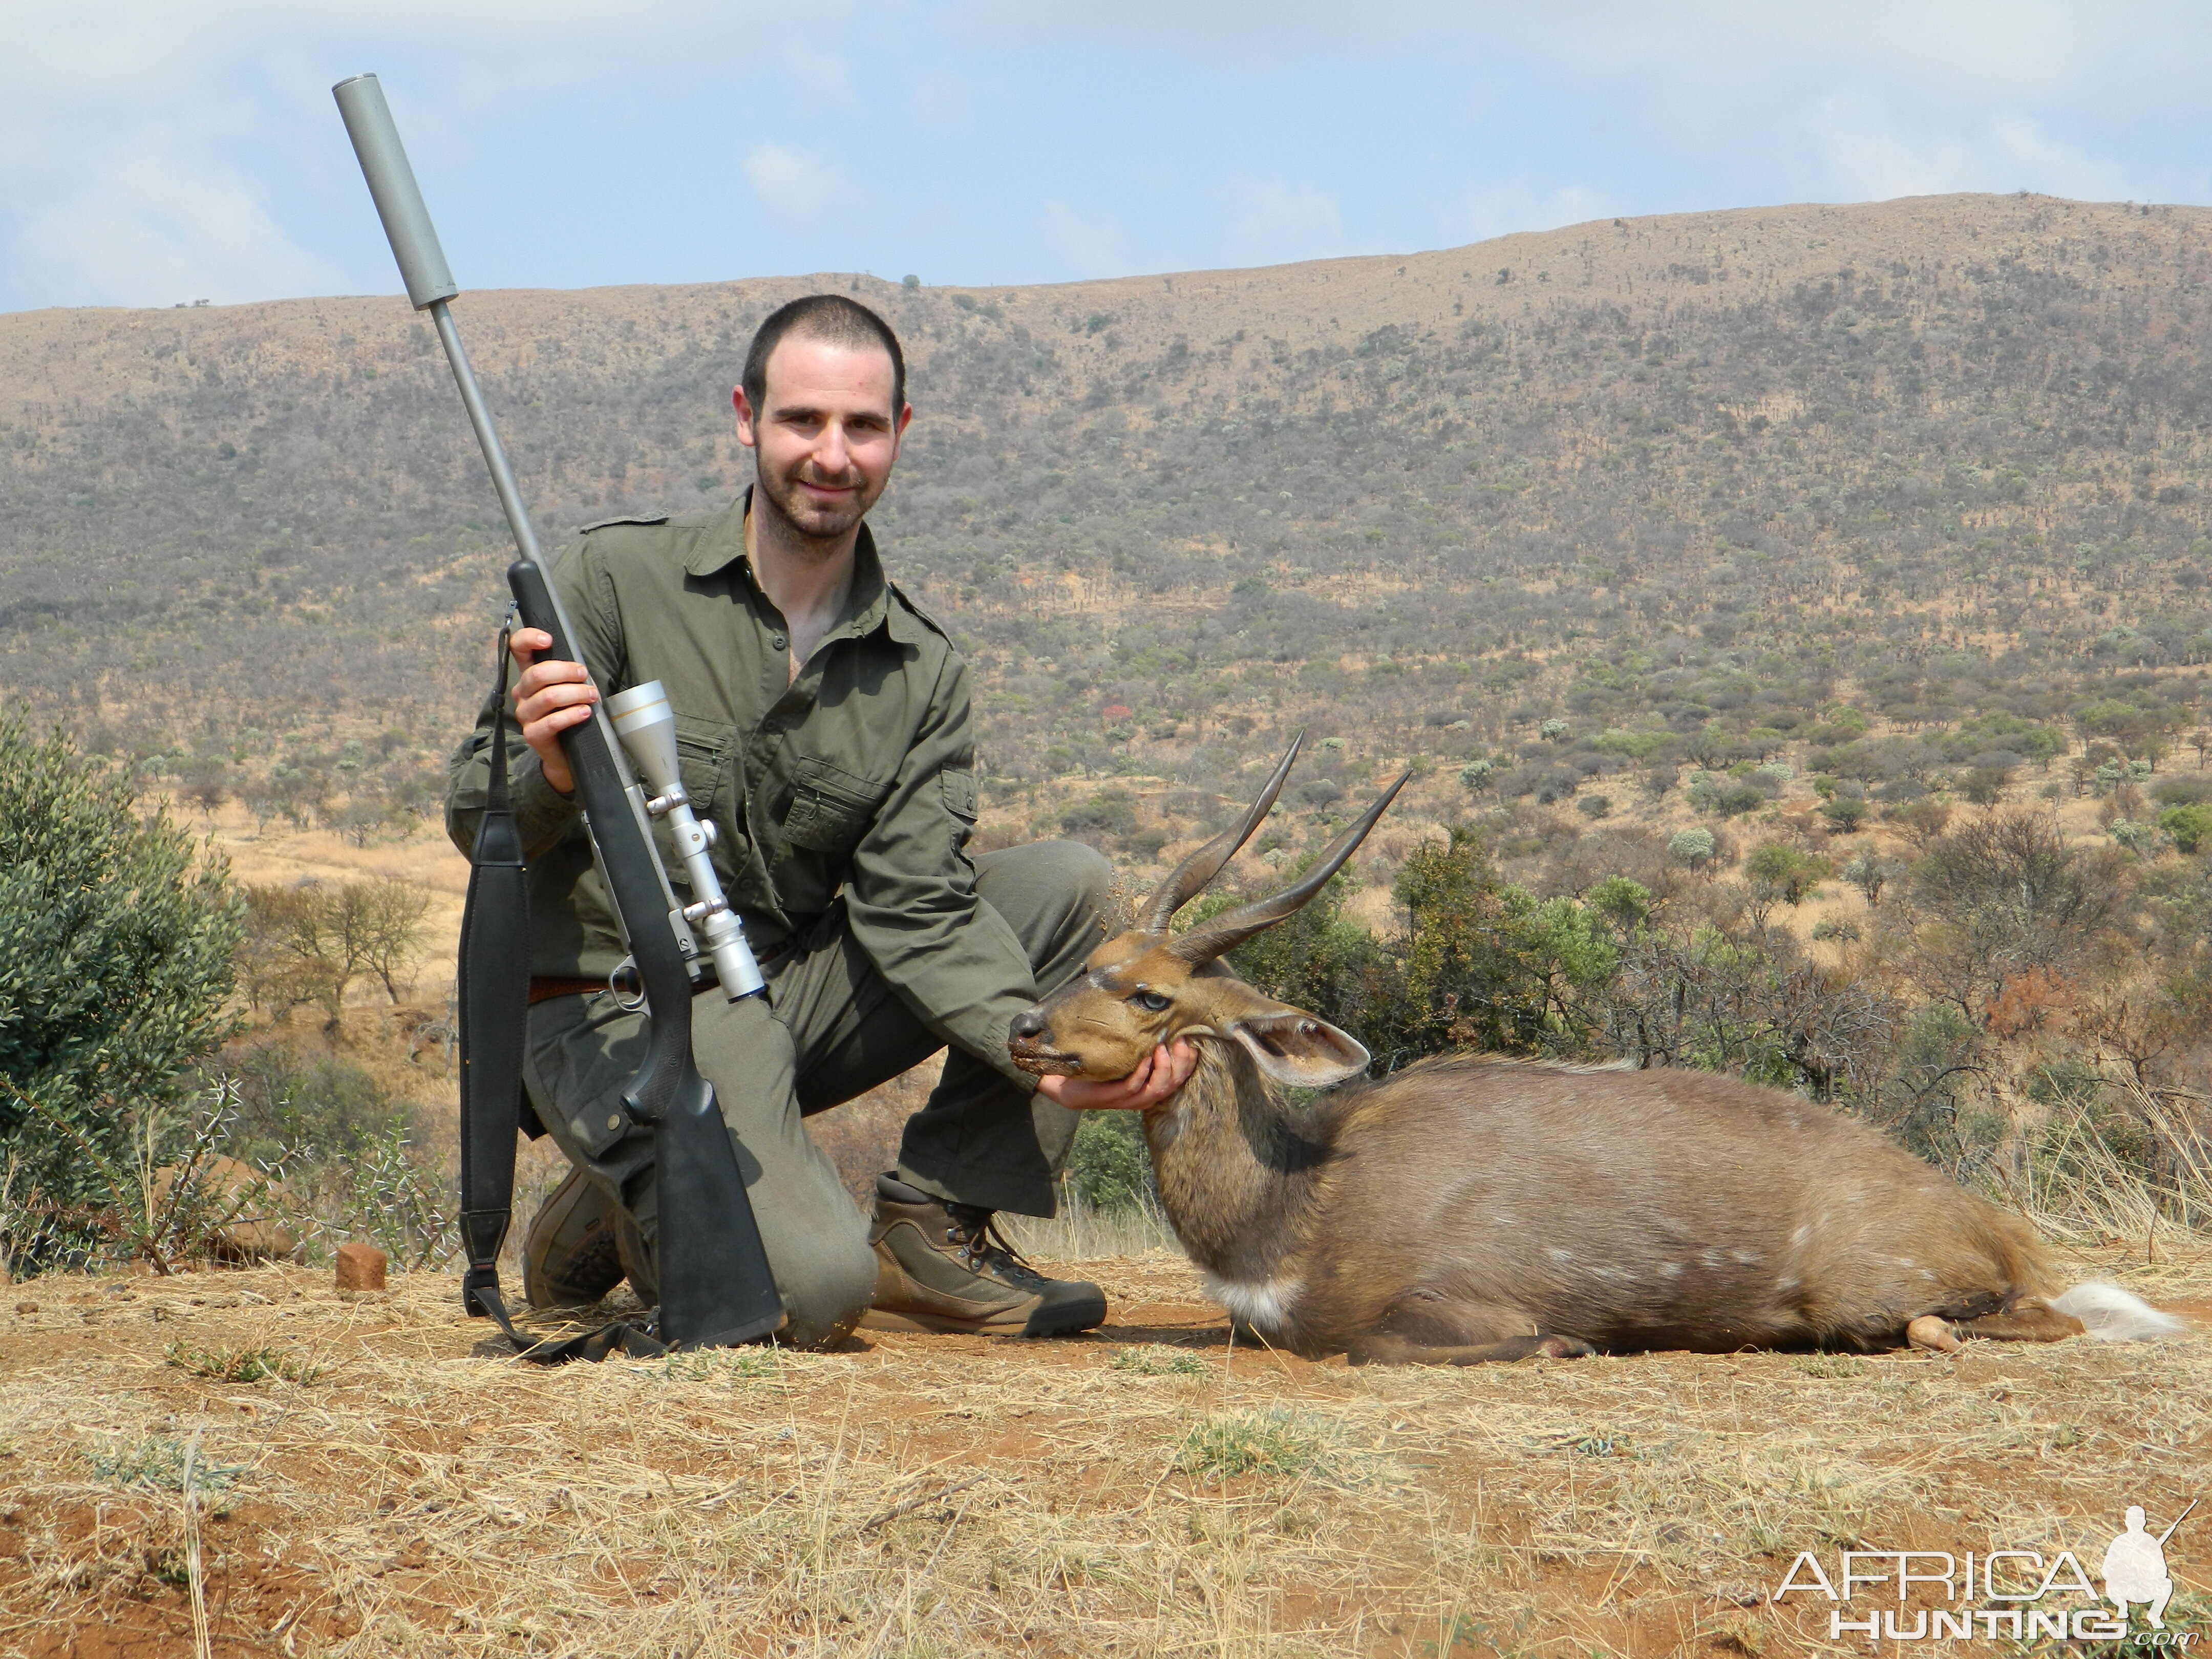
[1163, 1071]
[548, 699]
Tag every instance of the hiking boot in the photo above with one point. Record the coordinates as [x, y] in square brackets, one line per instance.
[579, 1246]
[942, 1267]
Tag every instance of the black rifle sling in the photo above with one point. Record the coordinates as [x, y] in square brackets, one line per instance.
[494, 1014]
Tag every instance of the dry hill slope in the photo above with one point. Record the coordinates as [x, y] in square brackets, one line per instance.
[1708, 472]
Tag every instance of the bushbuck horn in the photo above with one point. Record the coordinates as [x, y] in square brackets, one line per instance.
[1232, 928]
[1190, 876]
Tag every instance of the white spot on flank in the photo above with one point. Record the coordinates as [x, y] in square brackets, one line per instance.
[1265, 1306]
[1748, 1258]
[1670, 1270]
[1789, 1283]
[1561, 1255]
[1710, 1258]
[1801, 1237]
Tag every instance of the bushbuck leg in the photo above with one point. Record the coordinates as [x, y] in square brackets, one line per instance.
[2029, 1319]
[1431, 1330]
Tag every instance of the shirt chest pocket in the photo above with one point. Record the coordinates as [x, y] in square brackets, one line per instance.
[831, 808]
[702, 758]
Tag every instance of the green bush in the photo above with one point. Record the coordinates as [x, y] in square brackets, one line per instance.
[308, 1110]
[1779, 871]
[2189, 826]
[1107, 1167]
[116, 944]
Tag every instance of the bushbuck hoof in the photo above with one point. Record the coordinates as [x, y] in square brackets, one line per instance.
[1566, 1347]
[1931, 1333]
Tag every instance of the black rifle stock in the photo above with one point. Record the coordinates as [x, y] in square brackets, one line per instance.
[716, 1288]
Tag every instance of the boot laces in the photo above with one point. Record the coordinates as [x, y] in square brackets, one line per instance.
[984, 1249]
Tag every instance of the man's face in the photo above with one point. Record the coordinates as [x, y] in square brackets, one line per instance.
[824, 440]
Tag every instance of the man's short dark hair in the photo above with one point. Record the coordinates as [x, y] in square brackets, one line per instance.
[827, 317]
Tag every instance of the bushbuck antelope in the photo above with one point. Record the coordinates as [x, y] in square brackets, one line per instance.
[1486, 1209]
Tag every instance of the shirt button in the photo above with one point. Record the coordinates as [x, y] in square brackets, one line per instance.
[778, 641]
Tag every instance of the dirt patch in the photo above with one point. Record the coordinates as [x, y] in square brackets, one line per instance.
[1152, 1488]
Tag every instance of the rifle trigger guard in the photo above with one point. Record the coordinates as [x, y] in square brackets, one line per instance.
[625, 985]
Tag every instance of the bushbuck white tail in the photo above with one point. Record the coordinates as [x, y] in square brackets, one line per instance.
[1486, 1209]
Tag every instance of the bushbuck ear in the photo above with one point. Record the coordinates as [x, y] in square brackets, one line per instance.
[1295, 1048]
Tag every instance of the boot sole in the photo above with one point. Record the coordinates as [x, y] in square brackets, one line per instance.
[1068, 1319]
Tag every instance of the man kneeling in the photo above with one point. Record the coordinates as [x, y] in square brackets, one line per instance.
[823, 727]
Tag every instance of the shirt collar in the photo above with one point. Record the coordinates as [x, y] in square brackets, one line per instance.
[867, 607]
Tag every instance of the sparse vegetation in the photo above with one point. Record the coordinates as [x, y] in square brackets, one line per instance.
[1158, 1362]
[241, 1365]
[158, 1462]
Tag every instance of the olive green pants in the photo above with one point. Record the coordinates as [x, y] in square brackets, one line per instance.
[830, 1028]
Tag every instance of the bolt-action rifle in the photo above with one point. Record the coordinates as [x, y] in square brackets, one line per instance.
[715, 1286]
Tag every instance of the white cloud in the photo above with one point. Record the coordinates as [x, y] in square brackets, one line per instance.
[791, 182]
[1279, 221]
[1871, 155]
[151, 227]
[1088, 248]
[130, 129]
[1501, 210]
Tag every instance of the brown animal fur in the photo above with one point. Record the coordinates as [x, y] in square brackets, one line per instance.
[1480, 1209]
[1551, 1201]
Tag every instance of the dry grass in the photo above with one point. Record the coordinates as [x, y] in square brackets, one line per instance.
[1152, 1490]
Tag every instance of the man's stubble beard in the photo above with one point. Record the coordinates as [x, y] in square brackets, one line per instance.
[815, 544]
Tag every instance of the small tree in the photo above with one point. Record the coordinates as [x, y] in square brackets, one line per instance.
[396, 927]
[1779, 873]
[116, 942]
[1693, 849]
[1868, 872]
[2189, 826]
[1984, 785]
[1844, 813]
[1922, 821]
[318, 940]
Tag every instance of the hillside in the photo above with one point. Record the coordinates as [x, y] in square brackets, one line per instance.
[1705, 473]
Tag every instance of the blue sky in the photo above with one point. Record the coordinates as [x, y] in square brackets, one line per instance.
[159, 151]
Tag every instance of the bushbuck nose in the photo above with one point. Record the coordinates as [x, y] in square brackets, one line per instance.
[1028, 1025]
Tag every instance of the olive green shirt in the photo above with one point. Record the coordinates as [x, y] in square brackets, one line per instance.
[845, 796]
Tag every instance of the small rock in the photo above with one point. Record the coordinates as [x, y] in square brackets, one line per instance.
[26, 1307]
[361, 1267]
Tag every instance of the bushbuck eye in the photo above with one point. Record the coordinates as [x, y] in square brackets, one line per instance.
[1150, 1002]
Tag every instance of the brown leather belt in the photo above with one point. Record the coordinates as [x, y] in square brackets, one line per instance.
[546, 988]
[543, 988]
